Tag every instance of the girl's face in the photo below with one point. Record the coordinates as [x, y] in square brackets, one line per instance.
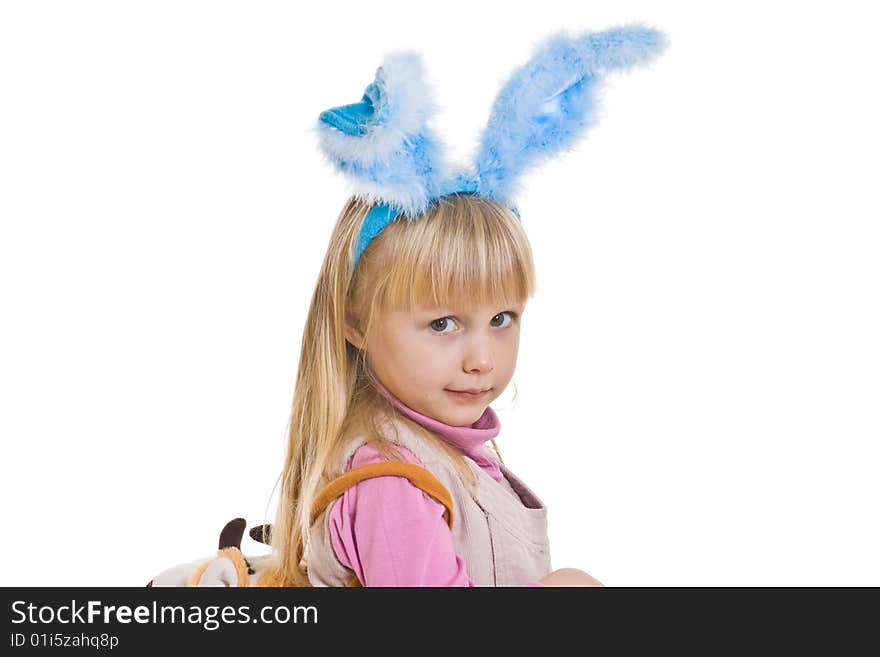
[427, 356]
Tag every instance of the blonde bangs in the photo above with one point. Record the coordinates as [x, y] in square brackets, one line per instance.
[467, 250]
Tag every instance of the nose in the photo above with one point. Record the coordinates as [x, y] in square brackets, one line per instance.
[479, 357]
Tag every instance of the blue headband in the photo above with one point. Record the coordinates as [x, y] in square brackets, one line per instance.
[394, 160]
[379, 216]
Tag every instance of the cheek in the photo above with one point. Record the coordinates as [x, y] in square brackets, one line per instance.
[509, 350]
[425, 354]
[433, 364]
[412, 357]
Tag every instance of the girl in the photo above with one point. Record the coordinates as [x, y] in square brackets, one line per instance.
[413, 331]
[401, 358]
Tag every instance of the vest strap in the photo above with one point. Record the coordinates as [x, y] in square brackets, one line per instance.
[417, 475]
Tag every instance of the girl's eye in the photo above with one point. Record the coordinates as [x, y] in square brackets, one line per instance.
[440, 324]
[501, 315]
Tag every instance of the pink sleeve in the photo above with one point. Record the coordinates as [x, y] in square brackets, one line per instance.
[391, 533]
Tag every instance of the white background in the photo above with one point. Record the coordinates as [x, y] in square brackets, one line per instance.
[698, 379]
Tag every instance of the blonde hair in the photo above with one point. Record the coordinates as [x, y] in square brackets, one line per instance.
[464, 249]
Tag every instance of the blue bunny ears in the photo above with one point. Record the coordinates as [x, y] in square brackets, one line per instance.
[394, 160]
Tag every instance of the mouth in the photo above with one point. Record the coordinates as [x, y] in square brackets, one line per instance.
[470, 395]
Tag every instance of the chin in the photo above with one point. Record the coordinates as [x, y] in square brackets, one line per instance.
[462, 417]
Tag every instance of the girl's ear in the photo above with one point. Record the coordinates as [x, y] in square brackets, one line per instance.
[352, 334]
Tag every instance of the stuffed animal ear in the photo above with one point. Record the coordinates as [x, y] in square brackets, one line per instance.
[231, 534]
[383, 143]
[261, 534]
[549, 102]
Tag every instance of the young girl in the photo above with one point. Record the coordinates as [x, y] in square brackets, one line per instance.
[413, 331]
[400, 361]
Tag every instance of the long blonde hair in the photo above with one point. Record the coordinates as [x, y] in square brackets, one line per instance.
[465, 248]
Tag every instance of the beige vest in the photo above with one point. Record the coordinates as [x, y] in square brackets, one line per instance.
[500, 533]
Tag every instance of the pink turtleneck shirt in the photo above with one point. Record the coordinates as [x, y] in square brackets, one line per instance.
[391, 533]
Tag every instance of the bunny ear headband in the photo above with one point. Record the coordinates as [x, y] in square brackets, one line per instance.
[385, 148]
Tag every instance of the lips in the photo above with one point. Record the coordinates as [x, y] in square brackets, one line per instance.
[471, 393]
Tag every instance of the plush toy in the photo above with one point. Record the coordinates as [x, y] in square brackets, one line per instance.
[229, 567]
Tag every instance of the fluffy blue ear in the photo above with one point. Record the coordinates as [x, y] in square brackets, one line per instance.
[383, 143]
[551, 101]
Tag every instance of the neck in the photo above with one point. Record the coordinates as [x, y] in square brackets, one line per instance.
[469, 439]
